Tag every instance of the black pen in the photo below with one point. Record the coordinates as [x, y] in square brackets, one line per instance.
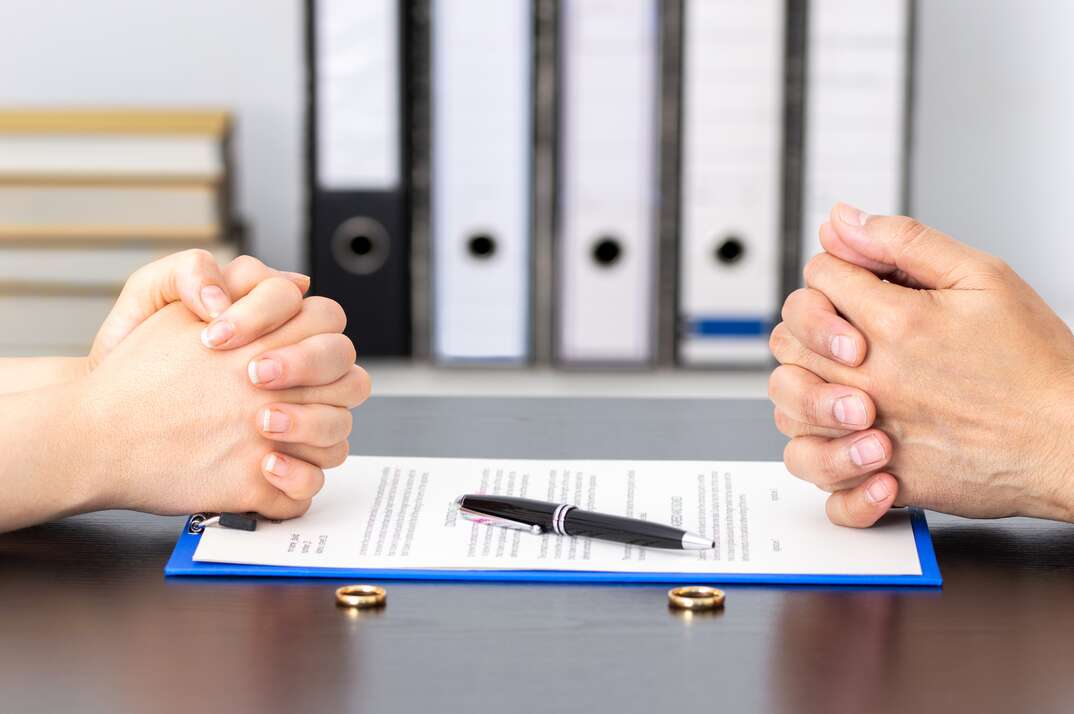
[562, 519]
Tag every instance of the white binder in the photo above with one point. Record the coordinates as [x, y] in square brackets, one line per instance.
[856, 109]
[608, 184]
[481, 190]
[730, 258]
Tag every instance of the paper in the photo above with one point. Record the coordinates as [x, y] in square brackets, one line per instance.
[399, 512]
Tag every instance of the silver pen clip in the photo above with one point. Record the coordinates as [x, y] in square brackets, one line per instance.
[487, 520]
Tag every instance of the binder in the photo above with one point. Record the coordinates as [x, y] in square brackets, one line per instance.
[856, 110]
[358, 198]
[182, 563]
[482, 179]
[730, 257]
[608, 181]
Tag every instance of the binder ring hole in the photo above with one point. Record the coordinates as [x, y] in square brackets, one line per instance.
[730, 250]
[607, 251]
[360, 245]
[482, 246]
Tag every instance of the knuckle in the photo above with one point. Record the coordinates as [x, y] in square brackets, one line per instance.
[995, 266]
[808, 407]
[337, 454]
[773, 384]
[285, 288]
[350, 353]
[809, 270]
[343, 424]
[777, 341]
[283, 507]
[783, 423]
[790, 454]
[794, 302]
[244, 263]
[312, 484]
[362, 385]
[828, 468]
[198, 258]
[328, 310]
[909, 233]
[893, 322]
[836, 508]
[786, 348]
[335, 347]
[252, 497]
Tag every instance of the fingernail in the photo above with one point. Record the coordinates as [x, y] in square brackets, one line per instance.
[866, 451]
[299, 278]
[214, 300]
[274, 422]
[850, 411]
[217, 333]
[264, 370]
[852, 216]
[277, 465]
[844, 349]
[877, 490]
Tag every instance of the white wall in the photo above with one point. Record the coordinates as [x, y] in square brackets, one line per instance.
[243, 54]
[994, 133]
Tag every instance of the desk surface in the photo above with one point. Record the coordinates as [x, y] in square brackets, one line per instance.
[88, 622]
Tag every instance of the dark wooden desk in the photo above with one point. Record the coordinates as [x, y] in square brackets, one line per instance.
[88, 623]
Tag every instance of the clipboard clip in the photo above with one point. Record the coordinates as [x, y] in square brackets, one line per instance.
[237, 521]
[487, 520]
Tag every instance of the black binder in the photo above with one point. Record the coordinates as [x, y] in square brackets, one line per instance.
[359, 234]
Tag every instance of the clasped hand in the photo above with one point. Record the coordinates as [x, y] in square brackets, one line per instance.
[205, 389]
[916, 370]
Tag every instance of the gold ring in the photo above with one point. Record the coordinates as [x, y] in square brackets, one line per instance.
[695, 597]
[361, 596]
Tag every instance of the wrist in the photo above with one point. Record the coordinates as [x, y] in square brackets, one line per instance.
[95, 464]
[1055, 497]
[44, 455]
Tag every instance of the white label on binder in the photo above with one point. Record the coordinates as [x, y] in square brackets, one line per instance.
[481, 168]
[856, 94]
[732, 149]
[357, 88]
[608, 192]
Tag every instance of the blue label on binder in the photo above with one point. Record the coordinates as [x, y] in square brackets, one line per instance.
[729, 327]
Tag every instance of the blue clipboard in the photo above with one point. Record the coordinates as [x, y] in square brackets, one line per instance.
[182, 563]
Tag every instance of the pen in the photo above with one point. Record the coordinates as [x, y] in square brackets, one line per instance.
[562, 519]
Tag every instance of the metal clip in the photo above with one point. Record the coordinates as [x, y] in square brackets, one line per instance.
[237, 521]
[487, 520]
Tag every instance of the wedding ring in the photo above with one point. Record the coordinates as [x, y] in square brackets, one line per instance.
[361, 596]
[695, 597]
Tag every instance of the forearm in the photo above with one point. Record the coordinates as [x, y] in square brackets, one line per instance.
[46, 465]
[22, 374]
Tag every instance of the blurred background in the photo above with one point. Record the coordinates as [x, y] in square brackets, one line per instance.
[603, 197]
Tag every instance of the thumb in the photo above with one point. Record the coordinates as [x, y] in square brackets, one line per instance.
[191, 277]
[906, 252]
[863, 505]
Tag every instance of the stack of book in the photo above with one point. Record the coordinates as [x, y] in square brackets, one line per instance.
[88, 197]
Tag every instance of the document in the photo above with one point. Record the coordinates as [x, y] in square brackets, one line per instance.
[400, 513]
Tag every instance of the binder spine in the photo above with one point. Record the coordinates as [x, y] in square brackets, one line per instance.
[357, 161]
[482, 180]
[732, 177]
[608, 190]
[859, 87]
[794, 102]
